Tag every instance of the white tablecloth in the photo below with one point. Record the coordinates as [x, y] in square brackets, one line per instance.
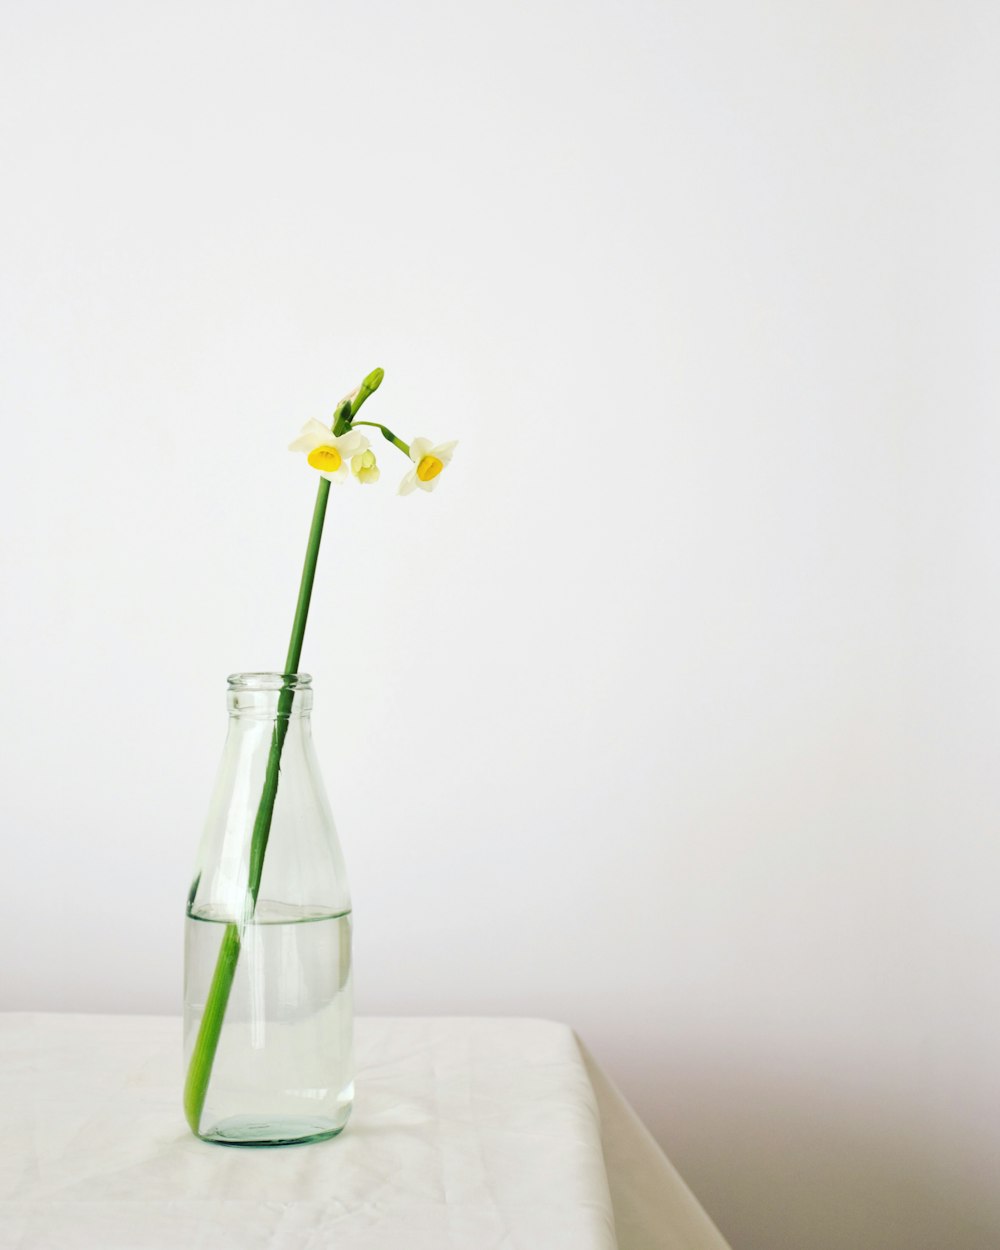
[467, 1134]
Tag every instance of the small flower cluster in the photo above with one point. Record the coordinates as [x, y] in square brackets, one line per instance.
[340, 451]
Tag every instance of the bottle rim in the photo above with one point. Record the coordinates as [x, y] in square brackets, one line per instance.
[269, 681]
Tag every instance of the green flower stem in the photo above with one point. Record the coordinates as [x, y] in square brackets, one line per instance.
[207, 1042]
[386, 434]
[265, 811]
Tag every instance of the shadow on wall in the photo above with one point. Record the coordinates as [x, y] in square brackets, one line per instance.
[794, 1164]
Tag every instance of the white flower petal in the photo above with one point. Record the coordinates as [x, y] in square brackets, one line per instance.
[427, 485]
[445, 451]
[351, 444]
[419, 448]
[408, 484]
[313, 434]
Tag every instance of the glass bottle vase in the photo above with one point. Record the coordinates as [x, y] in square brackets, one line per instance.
[268, 1017]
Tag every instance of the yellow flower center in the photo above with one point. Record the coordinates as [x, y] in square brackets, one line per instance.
[326, 459]
[428, 468]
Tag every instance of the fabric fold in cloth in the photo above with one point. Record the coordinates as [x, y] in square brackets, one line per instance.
[472, 1134]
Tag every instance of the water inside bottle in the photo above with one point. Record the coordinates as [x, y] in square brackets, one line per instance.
[284, 1067]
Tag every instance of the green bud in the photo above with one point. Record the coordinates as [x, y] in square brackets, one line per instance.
[342, 418]
[370, 384]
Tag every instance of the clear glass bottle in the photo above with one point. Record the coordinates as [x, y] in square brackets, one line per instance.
[268, 1016]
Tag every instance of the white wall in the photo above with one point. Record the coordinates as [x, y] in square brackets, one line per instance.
[674, 712]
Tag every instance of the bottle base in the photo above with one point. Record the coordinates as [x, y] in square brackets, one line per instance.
[249, 1130]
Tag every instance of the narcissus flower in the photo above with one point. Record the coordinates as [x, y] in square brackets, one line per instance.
[364, 468]
[326, 452]
[429, 461]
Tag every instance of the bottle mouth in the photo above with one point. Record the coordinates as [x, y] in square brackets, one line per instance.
[269, 681]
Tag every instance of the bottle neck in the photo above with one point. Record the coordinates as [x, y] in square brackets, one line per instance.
[270, 696]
